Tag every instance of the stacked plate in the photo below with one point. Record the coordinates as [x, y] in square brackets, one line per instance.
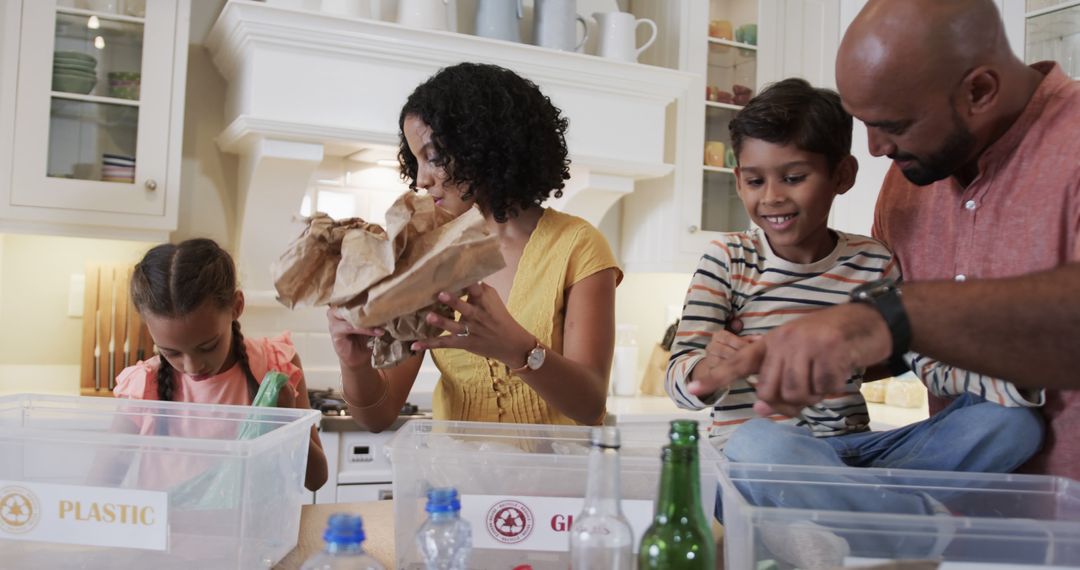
[74, 72]
[117, 168]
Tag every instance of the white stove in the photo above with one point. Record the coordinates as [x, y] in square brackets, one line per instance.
[357, 460]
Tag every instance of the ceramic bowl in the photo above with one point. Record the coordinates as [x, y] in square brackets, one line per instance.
[74, 69]
[69, 83]
[124, 84]
[75, 56]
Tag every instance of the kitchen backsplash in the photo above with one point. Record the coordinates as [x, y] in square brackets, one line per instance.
[35, 294]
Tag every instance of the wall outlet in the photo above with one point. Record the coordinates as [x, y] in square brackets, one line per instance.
[76, 292]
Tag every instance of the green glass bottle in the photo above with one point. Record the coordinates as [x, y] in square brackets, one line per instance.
[680, 536]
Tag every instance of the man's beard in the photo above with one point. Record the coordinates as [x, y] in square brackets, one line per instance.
[956, 151]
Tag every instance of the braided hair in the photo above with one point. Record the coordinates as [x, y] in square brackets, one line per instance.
[172, 280]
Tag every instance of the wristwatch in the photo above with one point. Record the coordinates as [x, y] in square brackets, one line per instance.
[884, 295]
[534, 360]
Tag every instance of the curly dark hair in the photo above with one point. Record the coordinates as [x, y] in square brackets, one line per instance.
[495, 134]
[792, 111]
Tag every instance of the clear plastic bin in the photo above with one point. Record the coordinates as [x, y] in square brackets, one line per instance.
[859, 517]
[539, 464]
[115, 483]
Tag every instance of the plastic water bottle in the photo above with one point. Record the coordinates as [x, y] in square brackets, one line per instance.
[445, 540]
[344, 537]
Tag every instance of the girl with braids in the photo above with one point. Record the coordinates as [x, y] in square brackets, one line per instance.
[534, 341]
[187, 295]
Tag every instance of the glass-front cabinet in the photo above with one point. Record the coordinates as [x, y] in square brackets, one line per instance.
[97, 106]
[1052, 32]
[730, 82]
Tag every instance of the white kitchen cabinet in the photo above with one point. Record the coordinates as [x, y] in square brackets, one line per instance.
[1051, 32]
[93, 115]
[668, 224]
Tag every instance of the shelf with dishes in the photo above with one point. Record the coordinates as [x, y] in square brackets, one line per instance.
[94, 99]
[106, 19]
[718, 43]
[725, 106]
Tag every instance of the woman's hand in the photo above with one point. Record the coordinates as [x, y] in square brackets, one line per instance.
[485, 327]
[350, 343]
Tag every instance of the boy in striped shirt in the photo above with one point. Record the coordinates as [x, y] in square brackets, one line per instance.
[793, 144]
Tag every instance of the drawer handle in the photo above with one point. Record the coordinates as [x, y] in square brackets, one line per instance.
[151, 184]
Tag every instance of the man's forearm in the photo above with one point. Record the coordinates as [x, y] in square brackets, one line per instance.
[1025, 329]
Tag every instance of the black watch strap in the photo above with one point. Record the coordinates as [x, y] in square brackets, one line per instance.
[884, 295]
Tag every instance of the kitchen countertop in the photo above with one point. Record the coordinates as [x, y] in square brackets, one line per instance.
[648, 409]
[346, 423]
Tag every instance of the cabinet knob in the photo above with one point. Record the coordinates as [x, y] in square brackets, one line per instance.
[151, 184]
[692, 229]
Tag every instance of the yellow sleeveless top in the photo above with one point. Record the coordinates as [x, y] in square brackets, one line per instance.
[561, 251]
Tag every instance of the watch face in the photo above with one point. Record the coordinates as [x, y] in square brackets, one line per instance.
[536, 358]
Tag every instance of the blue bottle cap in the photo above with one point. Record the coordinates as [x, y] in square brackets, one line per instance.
[442, 500]
[344, 529]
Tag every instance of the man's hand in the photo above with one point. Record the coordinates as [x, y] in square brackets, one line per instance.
[805, 360]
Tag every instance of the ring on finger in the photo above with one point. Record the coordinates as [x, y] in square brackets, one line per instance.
[464, 332]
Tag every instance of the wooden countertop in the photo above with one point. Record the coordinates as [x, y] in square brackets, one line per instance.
[378, 528]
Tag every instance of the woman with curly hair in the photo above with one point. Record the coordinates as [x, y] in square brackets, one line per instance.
[534, 341]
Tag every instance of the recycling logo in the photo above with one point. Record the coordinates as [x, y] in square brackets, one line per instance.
[20, 510]
[509, 522]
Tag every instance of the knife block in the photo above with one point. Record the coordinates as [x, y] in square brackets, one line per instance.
[113, 335]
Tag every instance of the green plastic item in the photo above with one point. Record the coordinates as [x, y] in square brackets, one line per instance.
[221, 487]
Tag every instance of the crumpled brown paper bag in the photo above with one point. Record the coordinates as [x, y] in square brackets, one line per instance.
[305, 273]
[388, 278]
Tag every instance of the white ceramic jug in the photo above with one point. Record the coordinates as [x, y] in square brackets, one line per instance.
[499, 19]
[555, 25]
[618, 35]
[428, 14]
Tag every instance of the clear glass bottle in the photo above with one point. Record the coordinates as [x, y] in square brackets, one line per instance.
[344, 550]
[445, 540]
[680, 536]
[601, 538]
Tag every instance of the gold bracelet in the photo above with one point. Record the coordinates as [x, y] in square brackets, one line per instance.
[344, 398]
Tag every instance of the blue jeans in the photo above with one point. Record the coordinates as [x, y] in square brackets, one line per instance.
[970, 435]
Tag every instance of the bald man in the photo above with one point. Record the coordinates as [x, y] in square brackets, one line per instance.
[981, 207]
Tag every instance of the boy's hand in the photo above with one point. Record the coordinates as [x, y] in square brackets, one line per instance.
[709, 375]
[801, 362]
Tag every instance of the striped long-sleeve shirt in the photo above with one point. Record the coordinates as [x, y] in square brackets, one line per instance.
[739, 276]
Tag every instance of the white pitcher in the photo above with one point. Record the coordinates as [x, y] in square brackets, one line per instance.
[555, 25]
[498, 19]
[618, 35]
[428, 14]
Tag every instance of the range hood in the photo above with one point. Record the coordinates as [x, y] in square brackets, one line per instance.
[303, 86]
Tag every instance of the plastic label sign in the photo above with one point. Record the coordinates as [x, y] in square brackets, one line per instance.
[537, 523]
[92, 516]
